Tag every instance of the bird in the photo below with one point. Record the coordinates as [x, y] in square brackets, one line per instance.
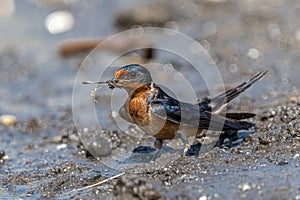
[158, 114]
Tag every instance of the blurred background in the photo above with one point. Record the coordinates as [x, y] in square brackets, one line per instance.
[242, 37]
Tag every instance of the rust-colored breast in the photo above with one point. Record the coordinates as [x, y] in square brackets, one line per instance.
[148, 122]
[137, 108]
[151, 123]
[168, 131]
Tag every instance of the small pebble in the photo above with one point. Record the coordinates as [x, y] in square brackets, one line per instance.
[85, 130]
[233, 68]
[114, 114]
[3, 156]
[59, 22]
[253, 53]
[8, 120]
[283, 162]
[245, 187]
[61, 146]
[203, 198]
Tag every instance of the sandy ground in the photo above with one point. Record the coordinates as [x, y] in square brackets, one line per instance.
[264, 166]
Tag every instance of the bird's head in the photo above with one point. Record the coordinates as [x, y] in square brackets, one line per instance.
[130, 77]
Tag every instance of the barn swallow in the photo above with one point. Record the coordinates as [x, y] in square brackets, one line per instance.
[164, 117]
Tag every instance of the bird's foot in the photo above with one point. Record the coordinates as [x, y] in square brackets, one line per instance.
[158, 143]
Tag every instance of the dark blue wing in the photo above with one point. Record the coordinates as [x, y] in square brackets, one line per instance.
[191, 115]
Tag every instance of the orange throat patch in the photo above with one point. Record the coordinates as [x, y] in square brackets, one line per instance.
[120, 72]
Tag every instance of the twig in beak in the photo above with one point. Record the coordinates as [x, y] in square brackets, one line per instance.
[96, 82]
[93, 92]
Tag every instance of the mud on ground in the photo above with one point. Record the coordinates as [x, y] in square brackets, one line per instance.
[265, 166]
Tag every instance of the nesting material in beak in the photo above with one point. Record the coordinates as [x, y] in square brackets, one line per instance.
[93, 92]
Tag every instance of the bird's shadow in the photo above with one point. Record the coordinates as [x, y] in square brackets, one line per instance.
[144, 154]
[232, 139]
[227, 140]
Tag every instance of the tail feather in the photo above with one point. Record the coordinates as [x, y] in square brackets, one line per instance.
[238, 116]
[246, 125]
[237, 125]
[219, 122]
[234, 125]
[228, 121]
[222, 99]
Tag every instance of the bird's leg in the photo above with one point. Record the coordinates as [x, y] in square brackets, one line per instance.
[158, 145]
[183, 138]
[200, 136]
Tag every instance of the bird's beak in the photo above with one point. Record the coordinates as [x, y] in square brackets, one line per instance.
[118, 83]
[111, 83]
[96, 82]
